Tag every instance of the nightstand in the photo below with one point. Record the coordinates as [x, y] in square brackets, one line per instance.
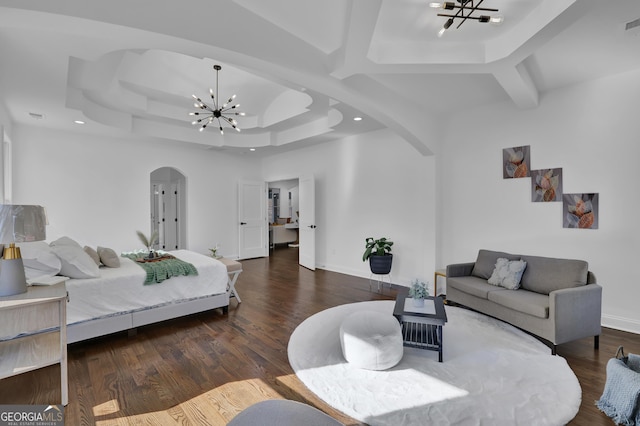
[33, 326]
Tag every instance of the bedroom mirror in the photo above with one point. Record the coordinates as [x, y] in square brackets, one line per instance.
[168, 206]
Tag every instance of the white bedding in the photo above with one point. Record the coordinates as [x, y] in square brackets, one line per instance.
[121, 290]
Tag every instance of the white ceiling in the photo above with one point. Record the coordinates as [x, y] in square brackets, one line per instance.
[301, 69]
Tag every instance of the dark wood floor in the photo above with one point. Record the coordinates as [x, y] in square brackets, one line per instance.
[205, 368]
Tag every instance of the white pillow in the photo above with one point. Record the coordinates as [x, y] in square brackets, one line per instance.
[508, 273]
[108, 257]
[76, 263]
[39, 260]
[65, 241]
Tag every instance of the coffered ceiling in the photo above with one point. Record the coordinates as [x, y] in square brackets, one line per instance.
[301, 69]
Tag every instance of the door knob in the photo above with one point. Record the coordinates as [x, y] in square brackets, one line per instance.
[243, 223]
[312, 226]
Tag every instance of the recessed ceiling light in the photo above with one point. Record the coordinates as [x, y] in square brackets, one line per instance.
[357, 118]
[79, 122]
[252, 149]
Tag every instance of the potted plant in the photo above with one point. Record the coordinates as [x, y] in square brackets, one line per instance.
[378, 252]
[214, 252]
[418, 292]
[148, 242]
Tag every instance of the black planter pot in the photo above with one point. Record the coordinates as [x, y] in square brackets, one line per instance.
[380, 265]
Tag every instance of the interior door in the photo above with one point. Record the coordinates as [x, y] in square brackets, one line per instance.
[307, 222]
[252, 219]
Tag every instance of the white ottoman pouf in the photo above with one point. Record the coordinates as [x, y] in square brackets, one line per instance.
[371, 340]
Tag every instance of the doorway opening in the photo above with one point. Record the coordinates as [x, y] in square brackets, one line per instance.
[283, 209]
[168, 208]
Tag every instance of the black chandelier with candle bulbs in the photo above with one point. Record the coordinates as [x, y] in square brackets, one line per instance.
[220, 113]
[463, 10]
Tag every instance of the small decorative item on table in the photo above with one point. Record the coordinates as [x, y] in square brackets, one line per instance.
[418, 292]
[214, 252]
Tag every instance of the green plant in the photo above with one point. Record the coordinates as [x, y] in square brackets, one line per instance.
[379, 247]
[214, 251]
[418, 289]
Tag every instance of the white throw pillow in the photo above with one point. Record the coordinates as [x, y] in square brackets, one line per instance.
[65, 241]
[508, 273]
[108, 257]
[39, 260]
[76, 263]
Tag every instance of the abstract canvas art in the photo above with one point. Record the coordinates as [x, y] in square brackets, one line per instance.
[546, 185]
[580, 211]
[516, 162]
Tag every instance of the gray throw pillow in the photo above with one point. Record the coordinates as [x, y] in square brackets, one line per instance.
[108, 257]
[92, 254]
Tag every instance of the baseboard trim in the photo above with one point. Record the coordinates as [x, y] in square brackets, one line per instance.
[621, 323]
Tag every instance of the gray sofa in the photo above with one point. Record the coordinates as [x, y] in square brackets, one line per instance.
[558, 299]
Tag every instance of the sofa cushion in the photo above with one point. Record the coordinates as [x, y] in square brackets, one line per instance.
[473, 285]
[524, 301]
[486, 262]
[508, 273]
[544, 274]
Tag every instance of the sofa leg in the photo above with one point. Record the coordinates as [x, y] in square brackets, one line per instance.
[596, 342]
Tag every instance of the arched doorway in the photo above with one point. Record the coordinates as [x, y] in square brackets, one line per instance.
[168, 208]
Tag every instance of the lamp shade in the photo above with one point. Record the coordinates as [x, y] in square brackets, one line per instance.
[18, 223]
[22, 223]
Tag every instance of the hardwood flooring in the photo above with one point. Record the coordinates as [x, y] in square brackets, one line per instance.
[205, 368]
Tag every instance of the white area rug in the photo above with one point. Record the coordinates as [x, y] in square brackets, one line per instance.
[492, 374]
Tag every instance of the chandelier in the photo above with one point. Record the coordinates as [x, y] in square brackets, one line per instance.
[464, 11]
[221, 113]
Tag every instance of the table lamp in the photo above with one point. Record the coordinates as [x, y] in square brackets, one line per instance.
[18, 223]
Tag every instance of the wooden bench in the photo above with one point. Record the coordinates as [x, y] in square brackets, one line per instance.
[233, 270]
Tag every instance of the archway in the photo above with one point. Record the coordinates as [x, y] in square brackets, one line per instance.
[168, 208]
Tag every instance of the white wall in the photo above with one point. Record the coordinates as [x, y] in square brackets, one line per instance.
[5, 157]
[590, 130]
[96, 190]
[374, 185]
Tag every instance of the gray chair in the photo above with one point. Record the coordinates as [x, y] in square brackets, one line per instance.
[282, 412]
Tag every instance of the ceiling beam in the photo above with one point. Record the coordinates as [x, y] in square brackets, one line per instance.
[517, 82]
[360, 26]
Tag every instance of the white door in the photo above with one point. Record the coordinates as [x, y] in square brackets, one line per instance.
[252, 219]
[307, 222]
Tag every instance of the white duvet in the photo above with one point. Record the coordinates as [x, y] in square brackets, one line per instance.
[120, 290]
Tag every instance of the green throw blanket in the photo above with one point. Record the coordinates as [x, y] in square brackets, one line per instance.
[160, 270]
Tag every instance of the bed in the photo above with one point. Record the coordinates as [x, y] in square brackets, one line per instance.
[107, 291]
[118, 300]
